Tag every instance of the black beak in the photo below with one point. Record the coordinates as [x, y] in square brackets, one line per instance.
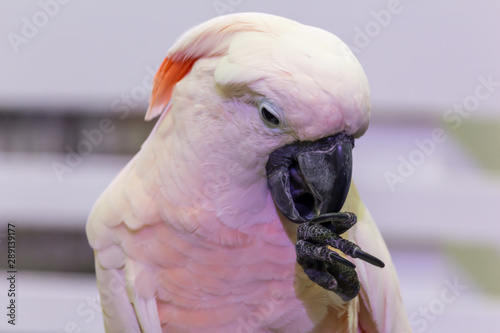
[307, 179]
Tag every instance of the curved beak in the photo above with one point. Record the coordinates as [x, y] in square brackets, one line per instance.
[307, 179]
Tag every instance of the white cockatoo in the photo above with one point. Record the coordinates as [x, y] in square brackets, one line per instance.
[228, 218]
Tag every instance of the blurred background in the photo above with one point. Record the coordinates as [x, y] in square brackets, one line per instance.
[428, 167]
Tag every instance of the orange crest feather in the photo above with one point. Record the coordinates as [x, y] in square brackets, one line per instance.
[170, 72]
[209, 39]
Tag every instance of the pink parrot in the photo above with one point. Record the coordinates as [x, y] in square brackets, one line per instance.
[228, 218]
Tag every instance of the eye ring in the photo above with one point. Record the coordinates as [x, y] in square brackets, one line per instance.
[269, 115]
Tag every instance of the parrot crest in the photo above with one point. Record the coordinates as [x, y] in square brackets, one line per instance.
[206, 40]
[271, 54]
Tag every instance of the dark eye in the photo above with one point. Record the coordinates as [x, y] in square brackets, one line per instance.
[268, 116]
[271, 115]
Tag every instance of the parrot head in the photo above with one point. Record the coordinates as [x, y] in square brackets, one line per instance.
[295, 98]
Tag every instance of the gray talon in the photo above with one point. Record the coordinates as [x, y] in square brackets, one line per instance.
[360, 254]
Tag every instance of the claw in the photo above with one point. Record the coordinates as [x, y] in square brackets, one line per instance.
[323, 234]
[335, 257]
[336, 222]
[325, 267]
[317, 252]
[360, 254]
[334, 217]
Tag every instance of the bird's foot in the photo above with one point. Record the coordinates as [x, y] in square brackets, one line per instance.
[326, 267]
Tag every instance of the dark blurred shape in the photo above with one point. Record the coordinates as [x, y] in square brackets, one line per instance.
[51, 250]
[52, 132]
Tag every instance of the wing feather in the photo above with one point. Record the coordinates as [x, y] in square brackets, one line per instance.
[381, 306]
[119, 226]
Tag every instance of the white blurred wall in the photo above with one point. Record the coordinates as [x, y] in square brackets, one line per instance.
[420, 56]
